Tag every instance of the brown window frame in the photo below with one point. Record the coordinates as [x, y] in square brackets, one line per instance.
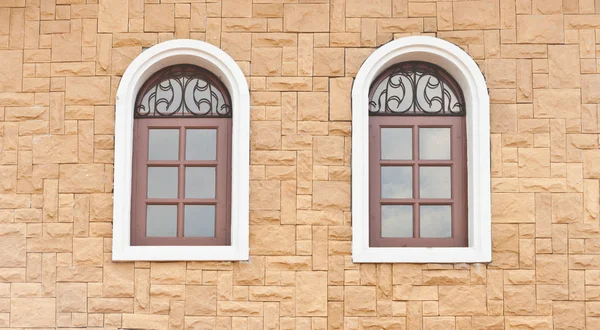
[416, 118]
[182, 116]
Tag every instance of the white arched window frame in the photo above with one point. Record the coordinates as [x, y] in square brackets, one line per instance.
[207, 56]
[466, 72]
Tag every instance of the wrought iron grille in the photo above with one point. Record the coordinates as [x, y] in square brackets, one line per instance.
[183, 90]
[416, 88]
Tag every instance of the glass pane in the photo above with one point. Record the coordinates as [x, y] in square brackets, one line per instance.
[199, 221]
[200, 182]
[396, 182]
[161, 220]
[396, 221]
[396, 143]
[163, 144]
[435, 181]
[201, 144]
[434, 143]
[436, 221]
[162, 182]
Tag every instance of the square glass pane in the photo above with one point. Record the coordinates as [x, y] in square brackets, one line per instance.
[396, 221]
[435, 181]
[396, 143]
[434, 143]
[436, 221]
[199, 221]
[201, 144]
[163, 144]
[396, 182]
[200, 182]
[162, 182]
[161, 221]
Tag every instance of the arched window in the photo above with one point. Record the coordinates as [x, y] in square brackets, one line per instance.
[181, 159]
[420, 155]
[181, 156]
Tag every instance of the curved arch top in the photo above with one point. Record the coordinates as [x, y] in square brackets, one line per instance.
[152, 60]
[465, 71]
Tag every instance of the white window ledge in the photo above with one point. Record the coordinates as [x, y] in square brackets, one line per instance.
[466, 72]
[182, 51]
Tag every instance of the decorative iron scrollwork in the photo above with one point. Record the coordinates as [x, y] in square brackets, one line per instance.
[183, 90]
[416, 88]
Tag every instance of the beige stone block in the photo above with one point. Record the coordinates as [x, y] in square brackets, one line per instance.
[266, 240]
[11, 70]
[55, 149]
[271, 293]
[87, 90]
[74, 178]
[236, 8]
[513, 207]
[462, 300]
[589, 88]
[159, 18]
[331, 194]
[329, 61]
[266, 61]
[22, 310]
[289, 263]
[118, 279]
[557, 103]
[266, 135]
[71, 297]
[339, 99]
[582, 21]
[551, 269]
[110, 305]
[368, 8]
[313, 106]
[13, 251]
[167, 273]
[88, 251]
[311, 293]
[237, 45]
[518, 299]
[528, 322]
[113, 16]
[569, 315]
[540, 29]
[475, 15]
[265, 195]
[359, 301]
[563, 66]
[503, 118]
[567, 208]
[328, 150]
[145, 321]
[501, 73]
[534, 162]
[446, 277]
[306, 17]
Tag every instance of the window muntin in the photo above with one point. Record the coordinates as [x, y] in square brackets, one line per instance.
[418, 169]
[181, 187]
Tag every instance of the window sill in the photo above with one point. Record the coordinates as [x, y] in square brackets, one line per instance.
[179, 253]
[421, 255]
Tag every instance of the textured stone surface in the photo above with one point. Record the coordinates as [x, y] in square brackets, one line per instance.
[60, 66]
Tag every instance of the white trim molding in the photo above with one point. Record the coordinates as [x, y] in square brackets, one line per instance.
[466, 72]
[207, 56]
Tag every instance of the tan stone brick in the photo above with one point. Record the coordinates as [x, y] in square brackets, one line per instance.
[110, 305]
[501, 73]
[563, 66]
[235, 8]
[410, 292]
[112, 16]
[145, 321]
[339, 98]
[589, 90]
[11, 71]
[313, 106]
[266, 135]
[87, 90]
[567, 208]
[331, 194]
[265, 195]
[328, 150]
[534, 162]
[370, 8]
[518, 299]
[507, 207]
[71, 297]
[13, 252]
[471, 15]
[306, 17]
[266, 240]
[266, 61]
[76, 178]
[540, 29]
[22, 309]
[557, 103]
[159, 18]
[311, 293]
[55, 149]
[568, 315]
[329, 61]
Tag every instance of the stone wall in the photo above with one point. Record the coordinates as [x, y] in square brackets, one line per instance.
[60, 63]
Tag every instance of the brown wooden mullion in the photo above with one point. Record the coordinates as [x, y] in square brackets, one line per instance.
[416, 183]
[181, 183]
